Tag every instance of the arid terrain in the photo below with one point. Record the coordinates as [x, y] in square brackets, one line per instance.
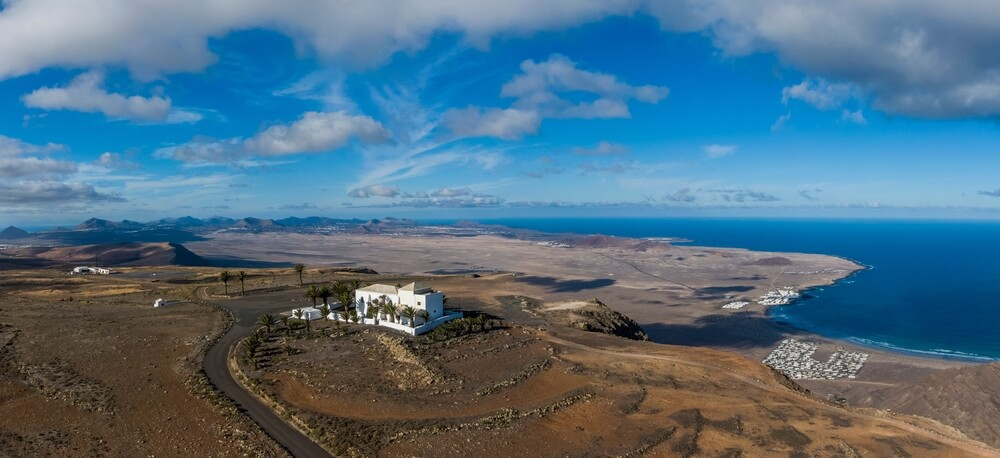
[102, 372]
[524, 377]
[89, 368]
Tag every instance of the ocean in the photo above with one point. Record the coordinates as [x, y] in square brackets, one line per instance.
[931, 286]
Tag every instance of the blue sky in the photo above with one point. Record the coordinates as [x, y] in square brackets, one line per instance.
[446, 108]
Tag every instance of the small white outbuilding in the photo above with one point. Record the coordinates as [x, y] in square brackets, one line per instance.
[159, 303]
[308, 313]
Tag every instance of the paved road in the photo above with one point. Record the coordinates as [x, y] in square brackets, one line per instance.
[218, 372]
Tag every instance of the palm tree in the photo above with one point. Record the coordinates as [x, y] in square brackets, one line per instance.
[325, 292]
[424, 316]
[390, 310]
[409, 313]
[354, 316]
[299, 314]
[242, 276]
[267, 320]
[286, 321]
[344, 294]
[325, 310]
[298, 269]
[312, 292]
[224, 277]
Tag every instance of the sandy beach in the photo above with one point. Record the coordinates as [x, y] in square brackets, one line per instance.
[675, 293]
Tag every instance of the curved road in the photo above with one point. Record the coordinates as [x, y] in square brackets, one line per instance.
[217, 370]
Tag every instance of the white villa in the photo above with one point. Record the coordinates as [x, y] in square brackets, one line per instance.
[427, 303]
[416, 295]
[84, 270]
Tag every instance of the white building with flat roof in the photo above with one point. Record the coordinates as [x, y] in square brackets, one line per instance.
[416, 295]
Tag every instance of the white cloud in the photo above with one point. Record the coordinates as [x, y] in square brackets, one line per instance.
[19, 167]
[313, 132]
[506, 124]
[451, 192]
[375, 190]
[856, 117]
[23, 193]
[550, 89]
[15, 147]
[717, 151]
[541, 84]
[927, 59]
[779, 123]
[922, 59]
[154, 38]
[818, 93]
[109, 160]
[86, 93]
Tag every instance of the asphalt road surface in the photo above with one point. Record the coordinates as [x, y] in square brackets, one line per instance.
[218, 372]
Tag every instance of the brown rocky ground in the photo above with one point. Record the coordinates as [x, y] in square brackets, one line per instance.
[530, 383]
[674, 292]
[89, 368]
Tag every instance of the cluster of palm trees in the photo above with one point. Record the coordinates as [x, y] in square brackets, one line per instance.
[226, 275]
[383, 308]
[343, 292]
[253, 345]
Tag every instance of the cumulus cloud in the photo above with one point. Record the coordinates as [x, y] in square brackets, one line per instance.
[86, 93]
[20, 167]
[111, 160]
[375, 190]
[555, 88]
[51, 192]
[603, 148]
[451, 192]
[541, 84]
[818, 93]
[461, 201]
[147, 37]
[312, 132]
[506, 124]
[15, 147]
[717, 151]
[922, 59]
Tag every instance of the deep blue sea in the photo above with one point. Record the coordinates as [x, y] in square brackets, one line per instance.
[932, 287]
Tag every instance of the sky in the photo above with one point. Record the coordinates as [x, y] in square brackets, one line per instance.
[461, 108]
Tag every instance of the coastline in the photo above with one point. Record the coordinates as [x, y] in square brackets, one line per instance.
[674, 292]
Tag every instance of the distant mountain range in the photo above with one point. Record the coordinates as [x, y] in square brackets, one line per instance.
[221, 222]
